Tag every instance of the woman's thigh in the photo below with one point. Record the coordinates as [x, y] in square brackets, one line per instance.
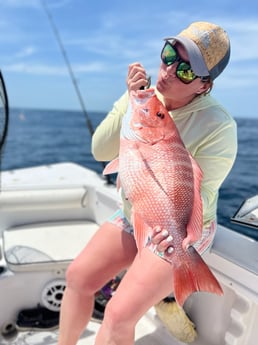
[109, 251]
[147, 281]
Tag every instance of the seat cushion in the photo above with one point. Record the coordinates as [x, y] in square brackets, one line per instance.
[45, 244]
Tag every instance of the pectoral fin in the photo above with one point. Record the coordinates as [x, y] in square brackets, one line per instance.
[112, 167]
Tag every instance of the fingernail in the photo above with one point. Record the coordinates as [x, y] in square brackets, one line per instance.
[170, 250]
[158, 229]
[164, 233]
[169, 238]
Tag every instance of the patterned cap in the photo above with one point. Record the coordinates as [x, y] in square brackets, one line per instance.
[208, 48]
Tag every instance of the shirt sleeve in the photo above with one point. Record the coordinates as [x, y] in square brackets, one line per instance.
[106, 138]
[216, 157]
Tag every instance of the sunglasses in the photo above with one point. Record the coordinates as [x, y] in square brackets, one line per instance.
[169, 55]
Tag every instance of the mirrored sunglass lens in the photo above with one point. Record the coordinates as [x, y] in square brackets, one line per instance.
[185, 73]
[168, 55]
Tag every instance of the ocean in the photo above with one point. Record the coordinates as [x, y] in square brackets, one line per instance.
[37, 137]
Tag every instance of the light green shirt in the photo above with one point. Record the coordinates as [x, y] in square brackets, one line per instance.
[208, 132]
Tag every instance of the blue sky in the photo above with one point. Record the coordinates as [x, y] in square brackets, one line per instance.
[102, 37]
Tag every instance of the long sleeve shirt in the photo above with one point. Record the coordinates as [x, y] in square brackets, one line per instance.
[208, 132]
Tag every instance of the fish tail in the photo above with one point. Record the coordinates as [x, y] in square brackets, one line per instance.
[193, 275]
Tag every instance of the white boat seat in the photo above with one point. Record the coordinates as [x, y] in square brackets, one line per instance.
[45, 246]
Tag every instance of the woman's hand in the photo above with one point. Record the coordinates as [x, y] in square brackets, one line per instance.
[137, 77]
[163, 241]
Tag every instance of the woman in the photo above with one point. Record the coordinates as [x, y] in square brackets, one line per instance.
[189, 64]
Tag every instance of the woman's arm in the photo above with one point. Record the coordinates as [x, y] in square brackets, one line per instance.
[105, 140]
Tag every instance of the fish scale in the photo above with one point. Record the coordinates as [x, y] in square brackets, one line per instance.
[161, 206]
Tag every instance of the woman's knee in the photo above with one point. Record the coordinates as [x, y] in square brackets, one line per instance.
[78, 278]
[117, 319]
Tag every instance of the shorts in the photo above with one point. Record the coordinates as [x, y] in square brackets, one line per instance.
[208, 233]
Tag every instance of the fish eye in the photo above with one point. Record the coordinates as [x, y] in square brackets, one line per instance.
[161, 115]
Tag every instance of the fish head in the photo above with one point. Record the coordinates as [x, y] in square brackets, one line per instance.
[150, 119]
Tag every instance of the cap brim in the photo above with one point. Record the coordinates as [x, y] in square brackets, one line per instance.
[195, 56]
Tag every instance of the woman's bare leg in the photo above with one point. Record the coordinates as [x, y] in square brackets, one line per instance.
[147, 281]
[107, 254]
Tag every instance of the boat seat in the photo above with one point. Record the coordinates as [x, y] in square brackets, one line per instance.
[45, 246]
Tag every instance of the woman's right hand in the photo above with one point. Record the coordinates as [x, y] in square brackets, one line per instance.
[163, 241]
[136, 77]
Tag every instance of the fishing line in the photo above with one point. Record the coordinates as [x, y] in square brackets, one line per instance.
[4, 118]
[68, 65]
[71, 74]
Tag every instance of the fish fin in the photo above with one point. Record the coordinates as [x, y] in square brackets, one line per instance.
[195, 224]
[112, 167]
[193, 275]
[139, 230]
[118, 182]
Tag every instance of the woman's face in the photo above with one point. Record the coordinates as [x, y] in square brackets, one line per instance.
[170, 86]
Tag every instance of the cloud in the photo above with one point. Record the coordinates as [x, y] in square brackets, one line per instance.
[19, 3]
[41, 69]
[33, 3]
[26, 52]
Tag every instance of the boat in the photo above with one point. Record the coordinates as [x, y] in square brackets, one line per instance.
[48, 213]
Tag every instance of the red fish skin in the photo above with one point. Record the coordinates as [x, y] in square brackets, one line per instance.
[162, 182]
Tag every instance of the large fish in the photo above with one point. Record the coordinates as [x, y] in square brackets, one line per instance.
[162, 181]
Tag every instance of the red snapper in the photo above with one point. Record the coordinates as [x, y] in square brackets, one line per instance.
[162, 181]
